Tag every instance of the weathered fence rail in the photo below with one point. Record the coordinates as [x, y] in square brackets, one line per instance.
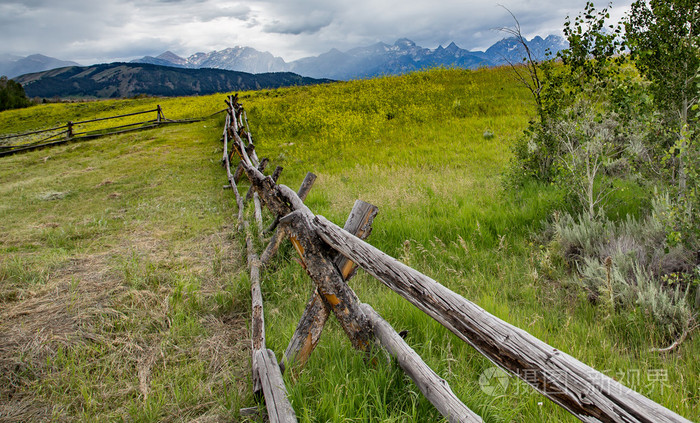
[70, 132]
[267, 375]
[330, 254]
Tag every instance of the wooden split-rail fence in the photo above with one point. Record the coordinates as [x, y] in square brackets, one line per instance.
[76, 131]
[331, 254]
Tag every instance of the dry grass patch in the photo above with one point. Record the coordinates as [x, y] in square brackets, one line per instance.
[104, 333]
[394, 187]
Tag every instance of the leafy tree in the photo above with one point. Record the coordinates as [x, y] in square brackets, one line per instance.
[590, 71]
[12, 95]
[664, 41]
[622, 108]
[594, 47]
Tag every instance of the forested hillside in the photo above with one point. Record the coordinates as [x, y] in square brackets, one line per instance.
[120, 80]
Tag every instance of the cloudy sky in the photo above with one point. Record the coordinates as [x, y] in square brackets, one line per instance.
[90, 31]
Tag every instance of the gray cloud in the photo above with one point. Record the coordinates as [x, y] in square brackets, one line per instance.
[84, 30]
[238, 11]
[309, 24]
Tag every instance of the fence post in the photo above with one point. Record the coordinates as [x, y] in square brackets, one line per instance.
[279, 235]
[159, 115]
[69, 131]
[308, 331]
[328, 279]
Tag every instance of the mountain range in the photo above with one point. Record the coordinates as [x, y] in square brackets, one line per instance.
[244, 68]
[11, 65]
[363, 62]
[119, 80]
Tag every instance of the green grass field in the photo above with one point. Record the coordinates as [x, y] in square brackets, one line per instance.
[123, 289]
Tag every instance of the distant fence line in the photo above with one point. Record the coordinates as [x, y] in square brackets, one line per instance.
[330, 255]
[70, 131]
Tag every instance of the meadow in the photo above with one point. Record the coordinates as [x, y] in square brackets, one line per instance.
[125, 297]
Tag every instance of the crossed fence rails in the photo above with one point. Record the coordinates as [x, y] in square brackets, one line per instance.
[331, 254]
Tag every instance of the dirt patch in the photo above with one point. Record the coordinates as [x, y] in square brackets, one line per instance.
[91, 303]
[52, 195]
[48, 225]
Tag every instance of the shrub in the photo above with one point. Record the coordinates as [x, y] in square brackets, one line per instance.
[630, 264]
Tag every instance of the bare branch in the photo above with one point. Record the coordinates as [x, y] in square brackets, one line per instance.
[531, 64]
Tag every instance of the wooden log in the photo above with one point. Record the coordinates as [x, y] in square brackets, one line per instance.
[306, 185]
[279, 199]
[330, 284]
[276, 174]
[258, 318]
[24, 134]
[279, 409]
[274, 244]
[261, 168]
[257, 212]
[308, 331]
[250, 140]
[359, 223]
[586, 393]
[231, 136]
[232, 183]
[303, 191]
[283, 201]
[244, 124]
[229, 107]
[245, 119]
[250, 149]
[277, 236]
[266, 373]
[307, 334]
[239, 173]
[273, 225]
[236, 131]
[433, 387]
[240, 128]
[158, 109]
[225, 140]
[258, 321]
[275, 177]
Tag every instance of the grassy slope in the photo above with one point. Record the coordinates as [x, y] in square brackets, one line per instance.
[118, 291]
[128, 238]
[415, 147]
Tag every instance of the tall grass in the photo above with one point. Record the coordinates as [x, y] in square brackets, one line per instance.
[420, 148]
[427, 148]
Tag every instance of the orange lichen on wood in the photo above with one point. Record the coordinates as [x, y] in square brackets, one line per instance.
[332, 299]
